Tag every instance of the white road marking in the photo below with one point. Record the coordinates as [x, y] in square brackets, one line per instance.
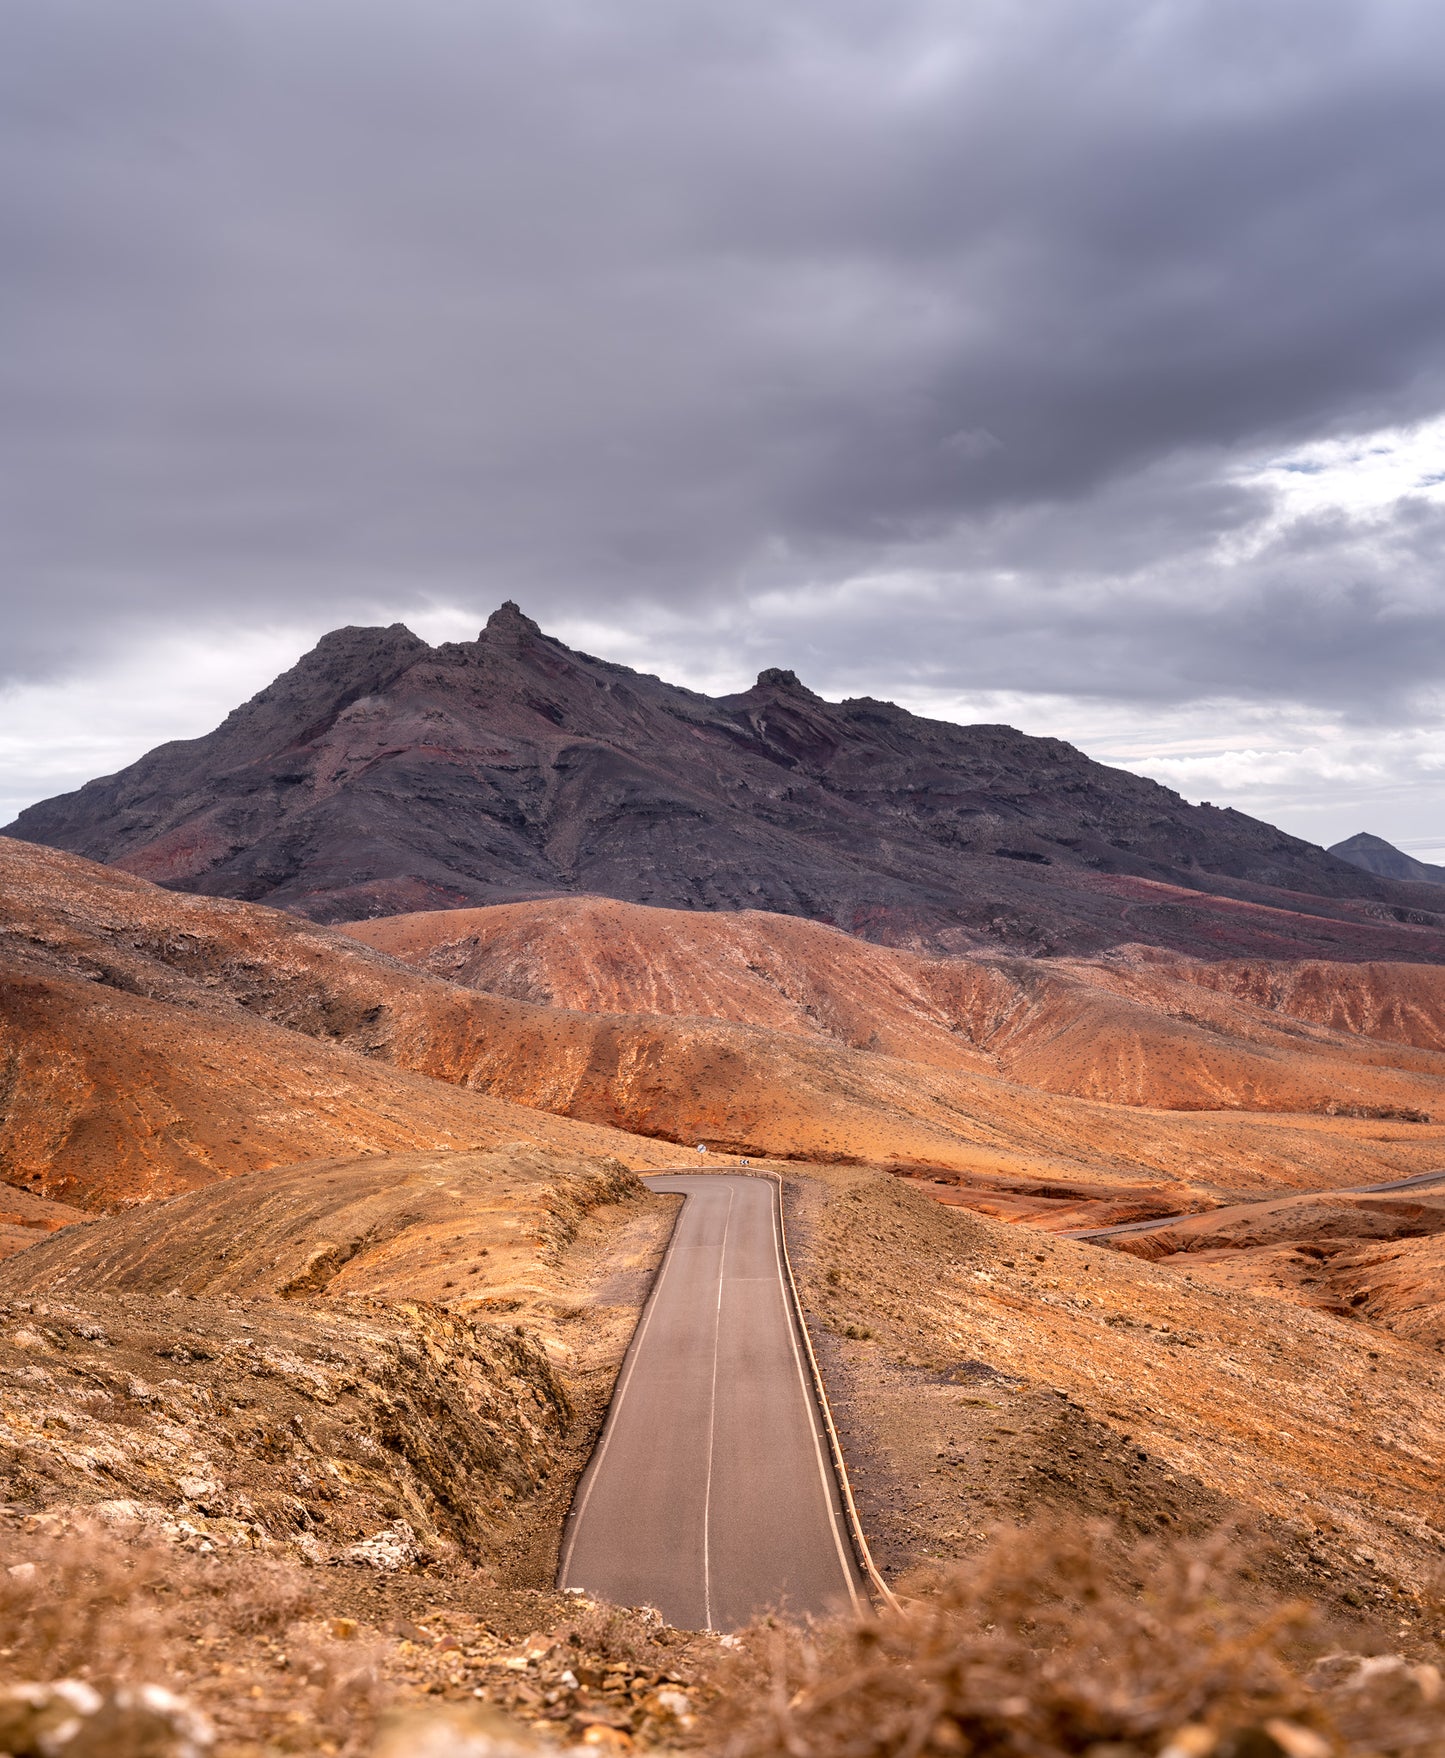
[825, 1473]
[595, 1469]
[792, 1320]
[712, 1420]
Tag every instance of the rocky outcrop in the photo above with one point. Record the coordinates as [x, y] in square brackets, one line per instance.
[381, 775]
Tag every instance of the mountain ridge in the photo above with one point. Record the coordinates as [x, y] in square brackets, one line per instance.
[381, 775]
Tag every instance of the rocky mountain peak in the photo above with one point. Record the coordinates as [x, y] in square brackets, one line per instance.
[775, 678]
[380, 776]
[508, 627]
[1374, 855]
[344, 665]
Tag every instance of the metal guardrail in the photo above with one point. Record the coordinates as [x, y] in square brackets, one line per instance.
[840, 1465]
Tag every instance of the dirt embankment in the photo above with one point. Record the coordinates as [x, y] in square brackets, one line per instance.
[25, 1217]
[318, 1491]
[983, 1371]
[301, 1446]
[1374, 1256]
[386, 1361]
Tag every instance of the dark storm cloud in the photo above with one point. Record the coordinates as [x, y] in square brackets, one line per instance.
[329, 310]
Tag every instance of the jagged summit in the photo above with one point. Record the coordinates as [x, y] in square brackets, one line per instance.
[508, 625]
[775, 678]
[380, 775]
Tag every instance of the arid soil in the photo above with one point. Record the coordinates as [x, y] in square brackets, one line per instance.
[380, 774]
[323, 1508]
[1202, 1080]
[359, 1395]
[335, 1346]
[23, 1216]
[1376, 1256]
[151, 1043]
[324, 1256]
[982, 1371]
[1142, 1028]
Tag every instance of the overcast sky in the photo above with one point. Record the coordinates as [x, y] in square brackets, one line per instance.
[1078, 363]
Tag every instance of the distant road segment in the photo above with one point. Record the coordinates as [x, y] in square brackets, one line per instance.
[710, 1494]
[1417, 1180]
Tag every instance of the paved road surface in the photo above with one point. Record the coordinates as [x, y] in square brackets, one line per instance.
[1414, 1181]
[710, 1494]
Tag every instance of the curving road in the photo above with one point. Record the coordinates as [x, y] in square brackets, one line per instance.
[710, 1494]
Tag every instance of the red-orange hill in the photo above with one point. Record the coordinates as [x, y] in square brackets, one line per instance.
[1144, 1027]
[153, 1042]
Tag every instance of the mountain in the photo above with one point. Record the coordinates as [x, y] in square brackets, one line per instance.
[380, 775]
[1372, 854]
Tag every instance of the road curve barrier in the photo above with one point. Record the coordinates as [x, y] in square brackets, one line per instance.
[879, 1586]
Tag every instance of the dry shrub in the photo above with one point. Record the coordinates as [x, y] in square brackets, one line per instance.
[345, 1679]
[627, 1635]
[118, 1603]
[240, 1593]
[84, 1603]
[1061, 1639]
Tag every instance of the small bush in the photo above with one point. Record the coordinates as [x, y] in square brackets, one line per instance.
[81, 1602]
[1061, 1640]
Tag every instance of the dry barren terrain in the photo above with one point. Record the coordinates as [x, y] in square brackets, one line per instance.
[325, 1248]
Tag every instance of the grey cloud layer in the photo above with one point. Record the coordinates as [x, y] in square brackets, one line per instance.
[628, 308]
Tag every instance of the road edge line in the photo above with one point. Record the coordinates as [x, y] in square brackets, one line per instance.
[582, 1490]
[856, 1534]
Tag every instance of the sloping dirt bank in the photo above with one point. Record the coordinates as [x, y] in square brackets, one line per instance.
[316, 1355]
[984, 1372]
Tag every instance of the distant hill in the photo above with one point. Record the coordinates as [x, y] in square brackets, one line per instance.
[1372, 854]
[381, 775]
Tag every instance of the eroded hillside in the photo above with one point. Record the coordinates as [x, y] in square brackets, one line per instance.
[308, 1355]
[156, 1042]
[987, 1371]
[290, 1441]
[1142, 1028]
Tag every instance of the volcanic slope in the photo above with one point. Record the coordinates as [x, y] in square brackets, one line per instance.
[425, 1338]
[1373, 1255]
[137, 1058]
[1375, 855]
[982, 1372]
[155, 1042]
[381, 775]
[1144, 1029]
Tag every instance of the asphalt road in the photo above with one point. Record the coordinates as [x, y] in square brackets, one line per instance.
[1415, 1180]
[710, 1494]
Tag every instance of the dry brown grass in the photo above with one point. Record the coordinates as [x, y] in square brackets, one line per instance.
[235, 1633]
[116, 1605]
[80, 1602]
[1058, 1639]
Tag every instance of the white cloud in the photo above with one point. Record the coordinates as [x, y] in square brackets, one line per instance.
[1366, 473]
[55, 736]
